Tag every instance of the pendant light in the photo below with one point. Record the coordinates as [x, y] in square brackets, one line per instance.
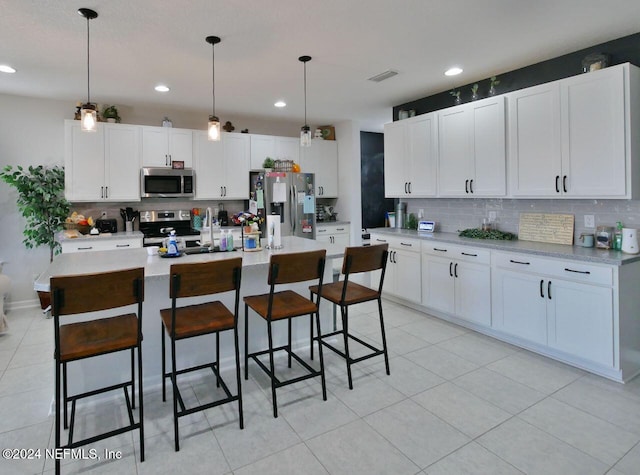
[305, 131]
[213, 130]
[88, 115]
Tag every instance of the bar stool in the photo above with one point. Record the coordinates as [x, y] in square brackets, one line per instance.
[79, 294]
[345, 293]
[192, 280]
[286, 304]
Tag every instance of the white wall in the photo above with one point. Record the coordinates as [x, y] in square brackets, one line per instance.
[32, 133]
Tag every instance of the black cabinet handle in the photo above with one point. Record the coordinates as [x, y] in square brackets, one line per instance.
[439, 250]
[451, 269]
[557, 183]
[577, 271]
[541, 288]
[381, 240]
[394, 257]
[549, 290]
[221, 192]
[471, 186]
[467, 254]
[519, 262]
[466, 186]
[170, 160]
[406, 244]
[455, 270]
[123, 245]
[410, 188]
[85, 248]
[102, 192]
[564, 183]
[339, 229]
[106, 192]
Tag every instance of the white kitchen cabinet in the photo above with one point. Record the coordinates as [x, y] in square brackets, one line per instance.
[275, 147]
[472, 149]
[208, 163]
[572, 138]
[237, 151]
[402, 275]
[97, 243]
[567, 306]
[103, 165]
[410, 150]
[333, 233]
[321, 158]
[456, 280]
[161, 146]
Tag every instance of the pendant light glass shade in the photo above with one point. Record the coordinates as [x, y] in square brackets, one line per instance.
[88, 114]
[213, 129]
[305, 130]
[88, 118]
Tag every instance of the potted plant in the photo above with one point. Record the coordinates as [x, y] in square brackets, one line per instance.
[42, 203]
[110, 114]
[268, 164]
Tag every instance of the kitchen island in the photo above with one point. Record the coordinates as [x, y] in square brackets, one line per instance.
[109, 369]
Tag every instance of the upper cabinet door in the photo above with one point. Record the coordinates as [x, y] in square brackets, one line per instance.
[237, 155]
[593, 131]
[455, 159]
[262, 146]
[395, 182]
[84, 163]
[422, 153]
[534, 141]
[208, 165]
[155, 147]
[489, 148]
[287, 148]
[181, 146]
[321, 159]
[122, 162]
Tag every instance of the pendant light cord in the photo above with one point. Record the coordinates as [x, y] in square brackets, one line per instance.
[88, 68]
[213, 78]
[305, 93]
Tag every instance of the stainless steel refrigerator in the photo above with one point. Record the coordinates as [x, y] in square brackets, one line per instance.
[290, 195]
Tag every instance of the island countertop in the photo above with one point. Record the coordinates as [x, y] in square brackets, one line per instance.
[156, 266]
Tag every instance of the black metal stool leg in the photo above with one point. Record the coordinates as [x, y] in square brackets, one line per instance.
[273, 370]
[345, 332]
[238, 378]
[384, 337]
[246, 341]
[57, 416]
[320, 355]
[289, 342]
[218, 359]
[164, 364]
[140, 402]
[174, 385]
[311, 328]
[133, 381]
[64, 394]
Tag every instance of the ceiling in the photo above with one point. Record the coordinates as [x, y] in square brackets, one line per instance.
[138, 44]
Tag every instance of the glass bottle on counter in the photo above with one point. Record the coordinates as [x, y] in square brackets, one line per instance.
[617, 237]
[223, 240]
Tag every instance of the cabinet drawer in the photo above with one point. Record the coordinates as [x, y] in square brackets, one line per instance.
[460, 253]
[97, 245]
[397, 242]
[567, 269]
[325, 229]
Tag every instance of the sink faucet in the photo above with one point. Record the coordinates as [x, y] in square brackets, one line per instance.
[210, 214]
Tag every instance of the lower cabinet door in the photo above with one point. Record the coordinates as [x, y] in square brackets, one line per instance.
[407, 275]
[438, 285]
[473, 292]
[581, 320]
[520, 305]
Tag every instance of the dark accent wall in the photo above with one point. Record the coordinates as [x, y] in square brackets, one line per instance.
[374, 204]
[622, 50]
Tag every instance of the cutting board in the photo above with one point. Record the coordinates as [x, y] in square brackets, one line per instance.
[543, 227]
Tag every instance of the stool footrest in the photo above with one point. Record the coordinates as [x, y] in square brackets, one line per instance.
[374, 351]
[312, 373]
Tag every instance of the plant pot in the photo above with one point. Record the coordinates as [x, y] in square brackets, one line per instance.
[45, 299]
[246, 229]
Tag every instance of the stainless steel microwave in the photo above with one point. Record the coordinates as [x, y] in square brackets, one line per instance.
[158, 182]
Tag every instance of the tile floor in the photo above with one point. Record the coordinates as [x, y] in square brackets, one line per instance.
[456, 402]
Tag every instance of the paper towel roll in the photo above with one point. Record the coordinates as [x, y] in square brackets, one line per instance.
[274, 238]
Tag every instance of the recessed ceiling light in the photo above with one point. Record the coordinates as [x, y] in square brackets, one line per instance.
[162, 88]
[453, 71]
[5, 68]
[280, 104]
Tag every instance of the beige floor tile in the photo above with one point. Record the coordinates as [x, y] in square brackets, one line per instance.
[472, 459]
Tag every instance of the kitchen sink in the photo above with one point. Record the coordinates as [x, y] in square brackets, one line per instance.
[202, 250]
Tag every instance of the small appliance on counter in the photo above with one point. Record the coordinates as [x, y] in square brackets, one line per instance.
[604, 237]
[107, 225]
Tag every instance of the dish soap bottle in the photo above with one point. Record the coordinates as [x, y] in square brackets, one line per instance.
[617, 237]
[230, 241]
[172, 247]
[223, 240]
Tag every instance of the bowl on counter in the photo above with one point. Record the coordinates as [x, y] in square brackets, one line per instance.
[152, 250]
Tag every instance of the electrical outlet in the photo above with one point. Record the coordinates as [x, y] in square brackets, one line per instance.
[589, 221]
[492, 215]
[104, 215]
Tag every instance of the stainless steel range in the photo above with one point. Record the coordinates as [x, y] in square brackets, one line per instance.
[156, 226]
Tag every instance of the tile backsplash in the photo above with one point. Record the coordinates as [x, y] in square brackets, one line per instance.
[454, 214]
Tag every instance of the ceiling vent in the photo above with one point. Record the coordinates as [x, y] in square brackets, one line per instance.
[382, 76]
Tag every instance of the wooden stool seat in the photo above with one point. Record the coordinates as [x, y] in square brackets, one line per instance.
[199, 319]
[286, 304]
[356, 293]
[345, 293]
[97, 337]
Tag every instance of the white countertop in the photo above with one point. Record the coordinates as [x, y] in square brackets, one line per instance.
[156, 266]
[591, 254]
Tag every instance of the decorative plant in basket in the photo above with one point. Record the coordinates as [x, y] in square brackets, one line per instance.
[111, 112]
[250, 221]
